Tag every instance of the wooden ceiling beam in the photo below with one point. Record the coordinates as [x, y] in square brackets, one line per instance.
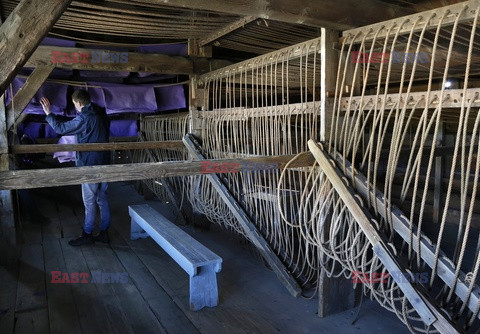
[21, 100]
[226, 30]
[75, 58]
[22, 31]
[333, 14]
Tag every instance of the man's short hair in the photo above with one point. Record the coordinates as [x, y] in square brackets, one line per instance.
[81, 96]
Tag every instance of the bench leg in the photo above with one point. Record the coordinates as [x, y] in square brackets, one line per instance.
[136, 231]
[203, 288]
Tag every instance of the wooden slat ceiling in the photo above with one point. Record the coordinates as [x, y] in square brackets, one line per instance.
[126, 22]
[140, 22]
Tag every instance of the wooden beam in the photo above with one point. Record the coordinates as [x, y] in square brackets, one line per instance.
[402, 227]
[22, 31]
[27, 92]
[426, 311]
[339, 15]
[48, 148]
[132, 62]
[328, 78]
[3, 132]
[244, 221]
[56, 177]
[437, 191]
[226, 30]
[196, 50]
[111, 140]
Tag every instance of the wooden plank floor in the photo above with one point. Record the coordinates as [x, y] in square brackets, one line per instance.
[155, 297]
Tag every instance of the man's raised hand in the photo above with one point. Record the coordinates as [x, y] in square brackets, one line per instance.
[45, 105]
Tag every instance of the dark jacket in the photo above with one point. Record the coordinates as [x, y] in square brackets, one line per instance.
[90, 126]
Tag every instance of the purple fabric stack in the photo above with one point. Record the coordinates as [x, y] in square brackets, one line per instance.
[116, 98]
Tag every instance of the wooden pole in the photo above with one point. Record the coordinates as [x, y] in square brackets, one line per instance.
[22, 31]
[428, 312]
[248, 227]
[335, 294]
[118, 146]
[7, 220]
[27, 92]
[56, 177]
[402, 226]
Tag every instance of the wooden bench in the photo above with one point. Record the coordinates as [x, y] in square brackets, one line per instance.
[199, 262]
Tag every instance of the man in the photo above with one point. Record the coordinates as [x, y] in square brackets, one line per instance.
[90, 126]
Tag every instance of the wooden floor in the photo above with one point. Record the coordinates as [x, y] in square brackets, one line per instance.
[155, 298]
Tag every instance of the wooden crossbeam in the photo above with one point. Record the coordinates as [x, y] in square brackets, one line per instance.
[326, 13]
[428, 313]
[22, 31]
[226, 30]
[132, 62]
[56, 177]
[248, 227]
[27, 92]
[119, 146]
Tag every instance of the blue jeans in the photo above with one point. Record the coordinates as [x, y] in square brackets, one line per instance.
[94, 194]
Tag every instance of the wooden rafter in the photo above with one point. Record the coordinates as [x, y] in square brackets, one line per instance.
[27, 92]
[226, 30]
[331, 14]
[429, 313]
[22, 31]
[71, 58]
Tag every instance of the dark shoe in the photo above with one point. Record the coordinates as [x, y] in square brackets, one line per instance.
[84, 239]
[102, 237]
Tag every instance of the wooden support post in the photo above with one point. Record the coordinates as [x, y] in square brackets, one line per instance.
[8, 243]
[329, 64]
[335, 294]
[429, 314]
[437, 192]
[196, 104]
[22, 31]
[27, 92]
[196, 50]
[248, 227]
